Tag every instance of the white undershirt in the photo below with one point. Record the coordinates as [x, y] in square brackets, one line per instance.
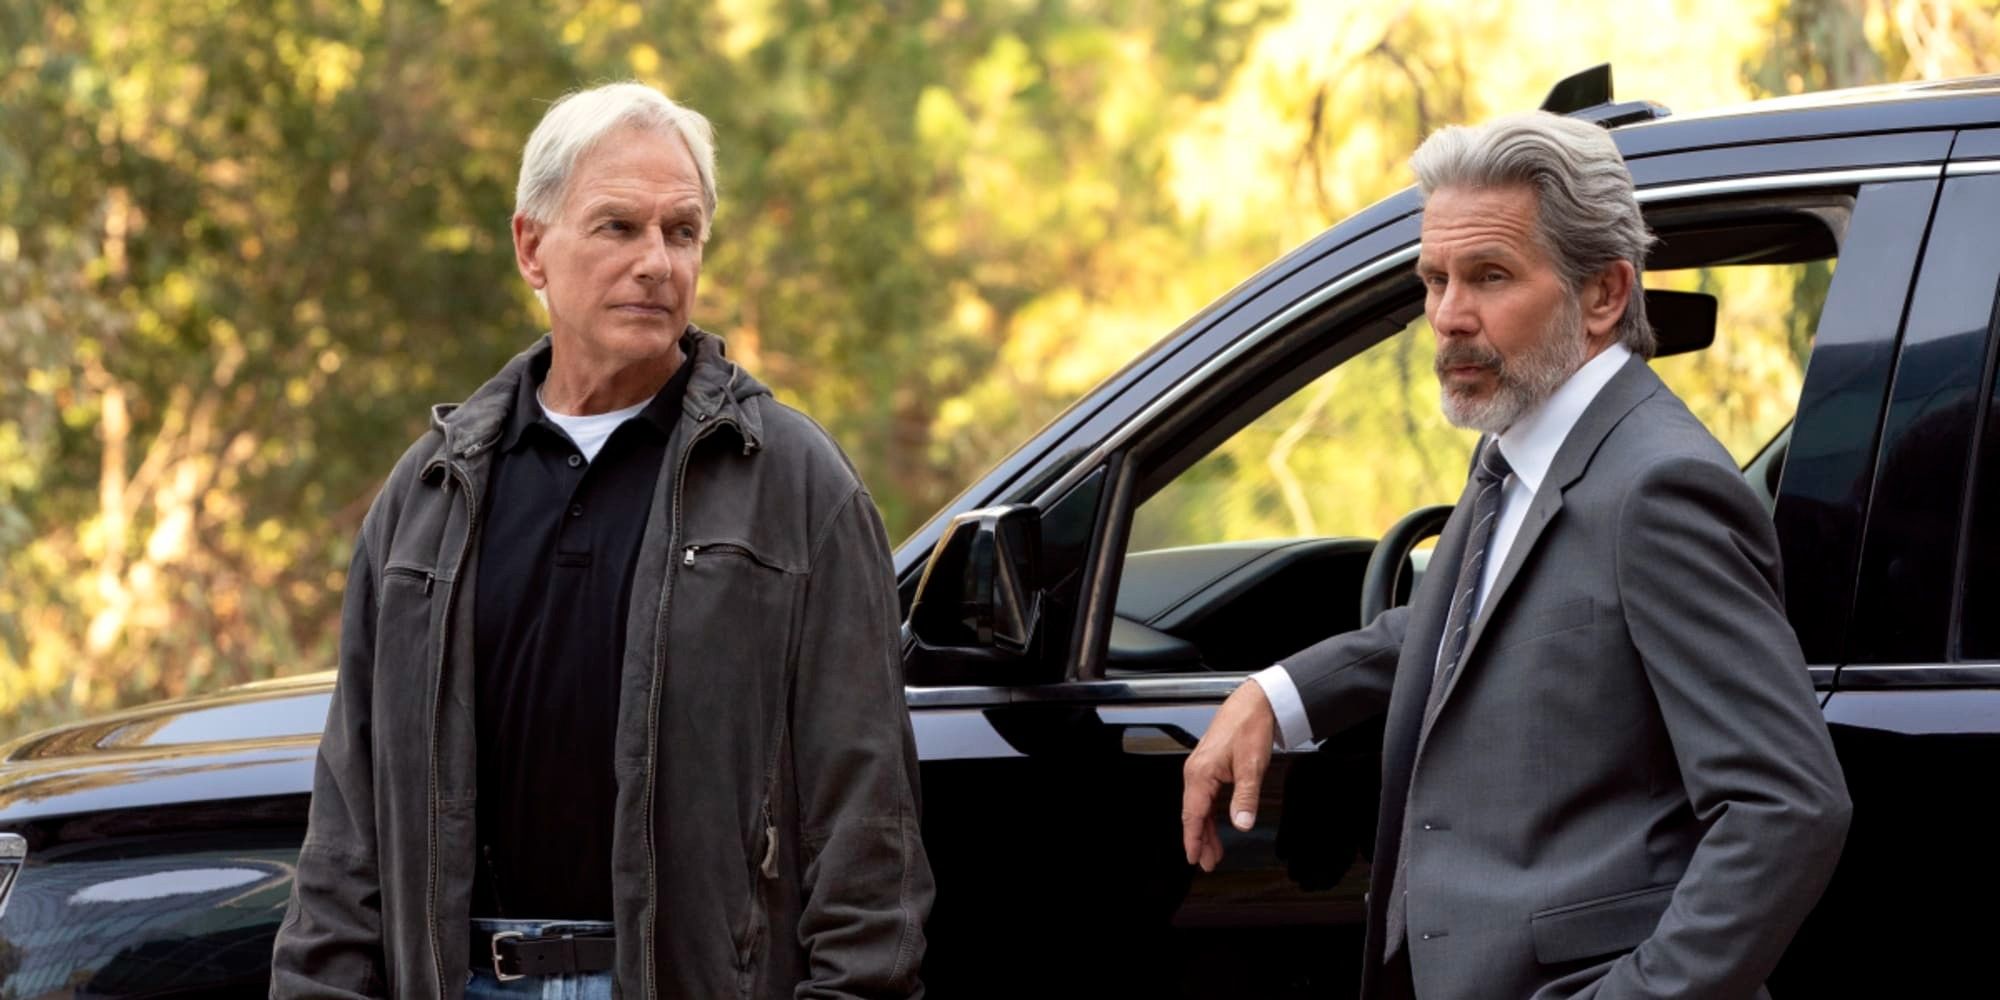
[589, 432]
[1529, 447]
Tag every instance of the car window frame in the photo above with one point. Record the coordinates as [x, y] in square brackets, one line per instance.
[1098, 601]
[1950, 345]
[1384, 251]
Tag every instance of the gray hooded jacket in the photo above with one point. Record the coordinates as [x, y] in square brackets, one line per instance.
[766, 839]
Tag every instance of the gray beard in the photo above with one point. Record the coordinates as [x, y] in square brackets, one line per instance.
[1519, 385]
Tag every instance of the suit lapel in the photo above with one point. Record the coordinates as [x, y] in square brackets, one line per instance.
[1627, 389]
[1415, 671]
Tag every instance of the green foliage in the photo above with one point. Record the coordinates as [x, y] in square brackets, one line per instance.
[244, 246]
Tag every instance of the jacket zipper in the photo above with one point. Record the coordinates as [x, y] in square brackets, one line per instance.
[428, 576]
[653, 711]
[687, 555]
[769, 866]
[437, 707]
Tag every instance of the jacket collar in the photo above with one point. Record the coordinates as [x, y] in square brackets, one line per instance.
[1530, 446]
[1633, 384]
[719, 390]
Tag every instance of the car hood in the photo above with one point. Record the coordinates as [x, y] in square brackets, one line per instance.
[252, 741]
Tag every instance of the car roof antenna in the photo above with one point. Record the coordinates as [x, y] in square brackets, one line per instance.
[1578, 91]
[1587, 95]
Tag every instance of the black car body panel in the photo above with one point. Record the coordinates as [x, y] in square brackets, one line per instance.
[159, 840]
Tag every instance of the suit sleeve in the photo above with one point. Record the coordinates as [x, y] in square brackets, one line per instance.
[1344, 680]
[330, 944]
[1698, 574]
[867, 883]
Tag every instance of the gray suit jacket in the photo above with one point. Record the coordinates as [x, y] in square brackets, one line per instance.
[1628, 790]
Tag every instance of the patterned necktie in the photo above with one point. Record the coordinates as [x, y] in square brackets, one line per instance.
[1490, 477]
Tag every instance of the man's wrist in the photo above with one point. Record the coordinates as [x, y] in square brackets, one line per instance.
[1287, 708]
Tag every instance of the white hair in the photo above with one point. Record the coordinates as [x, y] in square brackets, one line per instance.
[581, 118]
[1586, 214]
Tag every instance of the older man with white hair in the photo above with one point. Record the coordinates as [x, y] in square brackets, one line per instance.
[1604, 772]
[619, 706]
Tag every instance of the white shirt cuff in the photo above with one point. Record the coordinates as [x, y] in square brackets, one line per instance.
[1294, 729]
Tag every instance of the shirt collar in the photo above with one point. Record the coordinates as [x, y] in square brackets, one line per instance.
[527, 409]
[1530, 445]
[662, 412]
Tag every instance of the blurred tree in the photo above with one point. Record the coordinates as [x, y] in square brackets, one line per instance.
[251, 241]
[244, 246]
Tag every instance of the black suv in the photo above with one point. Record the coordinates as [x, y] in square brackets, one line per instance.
[1077, 613]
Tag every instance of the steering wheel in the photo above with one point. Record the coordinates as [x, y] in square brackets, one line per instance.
[1384, 575]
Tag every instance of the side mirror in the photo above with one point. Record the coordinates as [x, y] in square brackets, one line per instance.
[978, 608]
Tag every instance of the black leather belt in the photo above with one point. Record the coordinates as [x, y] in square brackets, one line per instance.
[516, 955]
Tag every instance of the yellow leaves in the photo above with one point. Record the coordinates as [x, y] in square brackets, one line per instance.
[321, 67]
[18, 470]
[1126, 112]
[942, 125]
[955, 415]
[746, 25]
[1937, 38]
[177, 290]
[1007, 68]
[1378, 77]
[450, 239]
[971, 313]
[645, 60]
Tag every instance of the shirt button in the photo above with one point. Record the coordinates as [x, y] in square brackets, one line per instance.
[576, 510]
[1427, 826]
[575, 460]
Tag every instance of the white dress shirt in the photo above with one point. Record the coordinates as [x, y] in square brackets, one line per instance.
[1529, 447]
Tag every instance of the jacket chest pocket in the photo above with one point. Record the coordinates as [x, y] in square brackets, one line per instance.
[733, 610]
[409, 597]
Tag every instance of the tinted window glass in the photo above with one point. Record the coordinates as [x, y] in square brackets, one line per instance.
[1980, 615]
[1262, 542]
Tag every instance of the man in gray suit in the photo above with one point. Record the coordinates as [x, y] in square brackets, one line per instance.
[1604, 770]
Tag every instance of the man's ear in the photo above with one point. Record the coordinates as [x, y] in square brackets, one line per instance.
[1605, 295]
[527, 251]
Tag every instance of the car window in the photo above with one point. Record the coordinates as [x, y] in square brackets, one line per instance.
[1745, 389]
[1345, 456]
[1979, 624]
[1365, 443]
[1298, 494]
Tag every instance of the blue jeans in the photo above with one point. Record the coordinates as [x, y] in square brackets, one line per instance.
[587, 986]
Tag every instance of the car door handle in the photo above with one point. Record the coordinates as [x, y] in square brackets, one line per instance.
[1154, 738]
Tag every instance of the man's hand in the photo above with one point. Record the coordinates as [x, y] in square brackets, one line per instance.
[1234, 751]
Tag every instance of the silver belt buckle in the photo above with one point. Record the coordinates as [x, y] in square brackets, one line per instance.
[494, 948]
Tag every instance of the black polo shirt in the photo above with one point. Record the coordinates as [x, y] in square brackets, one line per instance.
[558, 539]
